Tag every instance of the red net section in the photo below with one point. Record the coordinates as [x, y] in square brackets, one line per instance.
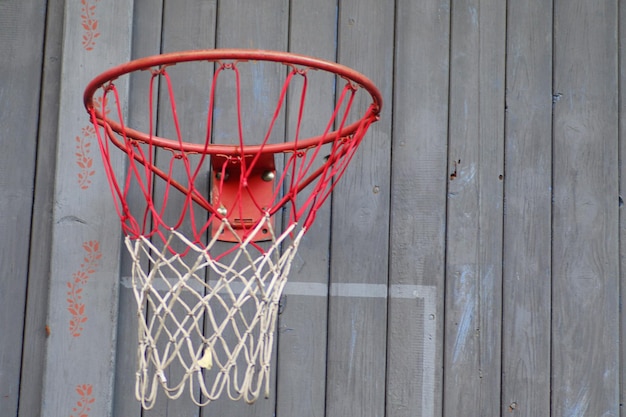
[248, 179]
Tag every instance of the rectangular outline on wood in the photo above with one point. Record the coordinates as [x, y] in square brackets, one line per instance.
[428, 293]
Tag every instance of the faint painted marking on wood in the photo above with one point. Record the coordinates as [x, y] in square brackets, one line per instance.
[84, 160]
[88, 358]
[306, 288]
[90, 24]
[463, 330]
[352, 290]
[358, 290]
[427, 293]
[83, 405]
[578, 408]
[465, 289]
[83, 157]
[76, 286]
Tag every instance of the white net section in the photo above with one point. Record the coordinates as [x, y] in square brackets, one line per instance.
[207, 325]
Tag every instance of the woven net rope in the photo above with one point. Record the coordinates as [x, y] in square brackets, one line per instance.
[212, 228]
[207, 325]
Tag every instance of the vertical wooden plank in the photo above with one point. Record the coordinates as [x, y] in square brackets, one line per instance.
[33, 353]
[474, 235]
[622, 197]
[264, 26]
[21, 30]
[146, 41]
[527, 221]
[301, 360]
[85, 246]
[418, 204]
[357, 327]
[585, 291]
[189, 27]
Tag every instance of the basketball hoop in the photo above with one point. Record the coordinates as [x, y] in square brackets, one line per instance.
[219, 224]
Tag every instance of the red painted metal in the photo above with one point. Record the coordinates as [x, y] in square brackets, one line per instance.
[237, 55]
[236, 201]
[245, 185]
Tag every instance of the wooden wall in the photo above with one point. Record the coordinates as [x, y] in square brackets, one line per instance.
[469, 263]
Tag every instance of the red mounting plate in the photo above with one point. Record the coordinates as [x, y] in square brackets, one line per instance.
[243, 205]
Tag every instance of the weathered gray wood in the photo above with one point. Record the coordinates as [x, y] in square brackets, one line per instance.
[301, 366]
[21, 38]
[474, 236]
[418, 201]
[189, 27]
[622, 194]
[585, 291]
[564, 367]
[33, 353]
[146, 41]
[359, 251]
[527, 221]
[85, 245]
[263, 26]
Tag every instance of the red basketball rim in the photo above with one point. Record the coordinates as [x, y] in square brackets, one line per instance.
[214, 55]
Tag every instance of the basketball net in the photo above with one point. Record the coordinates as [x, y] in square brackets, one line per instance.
[215, 325]
[209, 268]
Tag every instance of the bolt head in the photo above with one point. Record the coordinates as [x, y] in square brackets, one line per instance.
[268, 176]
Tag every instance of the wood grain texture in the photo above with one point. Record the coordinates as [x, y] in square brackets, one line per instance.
[35, 327]
[418, 201]
[85, 242]
[585, 297]
[21, 29]
[184, 28]
[146, 41]
[301, 353]
[264, 26]
[474, 227]
[527, 221]
[622, 194]
[357, 328]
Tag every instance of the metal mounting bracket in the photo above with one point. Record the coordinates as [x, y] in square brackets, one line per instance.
[243, 205]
